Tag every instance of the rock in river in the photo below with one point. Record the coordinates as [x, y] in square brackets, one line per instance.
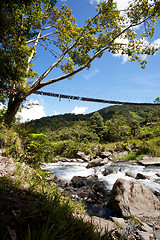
[134, 199]
[94, 162]
[146, 161]
[110, 170]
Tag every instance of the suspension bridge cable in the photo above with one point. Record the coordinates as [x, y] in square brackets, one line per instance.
[69, 97]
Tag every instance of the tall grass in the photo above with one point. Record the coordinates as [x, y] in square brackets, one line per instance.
[44, 211]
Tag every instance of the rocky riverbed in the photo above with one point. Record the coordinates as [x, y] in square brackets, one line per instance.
[120, 197]
[125, 193]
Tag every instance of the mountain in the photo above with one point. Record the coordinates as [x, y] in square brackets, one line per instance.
[128, 111]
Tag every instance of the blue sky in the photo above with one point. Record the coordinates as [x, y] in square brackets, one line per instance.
[110, 77]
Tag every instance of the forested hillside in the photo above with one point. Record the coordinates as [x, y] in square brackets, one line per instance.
[121, 127]
[142, 113]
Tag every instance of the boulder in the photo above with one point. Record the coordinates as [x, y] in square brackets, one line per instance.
[66, 159]
[141, 176]
[7, 166]
[146, 161]
[158, 174]
[157, 235]
[100, 224]
[78, 160]
[92, 177]
[104, 162]
[99, 187]
[133, 199]
[78, 181]
[119, 228]
[110, 170]
[94, 162]
[83, 156]
[105, 154]
[90, 190]
[120, 154]
[129, 174]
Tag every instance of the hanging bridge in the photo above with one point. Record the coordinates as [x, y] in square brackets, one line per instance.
[86, 99]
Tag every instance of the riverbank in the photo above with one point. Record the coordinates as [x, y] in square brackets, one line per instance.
[32, 205]
[32, 209]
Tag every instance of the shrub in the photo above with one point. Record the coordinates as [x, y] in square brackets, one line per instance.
[10, 140]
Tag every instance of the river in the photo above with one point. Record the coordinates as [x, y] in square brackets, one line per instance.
[66, 170]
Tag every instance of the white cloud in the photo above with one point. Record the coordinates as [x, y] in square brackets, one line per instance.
[156, 43]
[79, 110]
[122, 4]
[94, 1]
[91, 73]
[34, 112]
[56, 113]
[122, 40]
[124, 57]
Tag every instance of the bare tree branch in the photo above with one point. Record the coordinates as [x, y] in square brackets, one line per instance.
[38, 84]
[88, 62]
[38, 81]
[50, 50]
[33, 51]
[45, 35]
[49, 27]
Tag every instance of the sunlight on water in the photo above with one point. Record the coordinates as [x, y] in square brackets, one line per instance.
[66, 170]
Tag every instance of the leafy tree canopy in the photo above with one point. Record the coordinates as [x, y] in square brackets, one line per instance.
[25, 24]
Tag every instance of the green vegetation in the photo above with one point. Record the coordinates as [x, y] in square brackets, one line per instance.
[36, 208]
[32, 208]
[135, 129]
[127, 128]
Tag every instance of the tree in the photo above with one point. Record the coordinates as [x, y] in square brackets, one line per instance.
[97, 120]
[134, 125]
[25, 25]
[116, 128]
[157, 100]
[97, 124]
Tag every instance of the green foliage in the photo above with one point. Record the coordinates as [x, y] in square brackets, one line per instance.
[134, 125]
[68, 134]
[46, 211]
[116, 128]
[37, 148]
[10, 140]
[65, 148]
[153, 146]
[157, 100]
[97, 124]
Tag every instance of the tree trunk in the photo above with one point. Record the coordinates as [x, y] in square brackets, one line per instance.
[13, 107]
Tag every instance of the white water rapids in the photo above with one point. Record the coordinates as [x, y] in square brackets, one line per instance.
[66, 170]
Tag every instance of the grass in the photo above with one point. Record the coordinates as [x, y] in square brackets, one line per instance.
[32, 209]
